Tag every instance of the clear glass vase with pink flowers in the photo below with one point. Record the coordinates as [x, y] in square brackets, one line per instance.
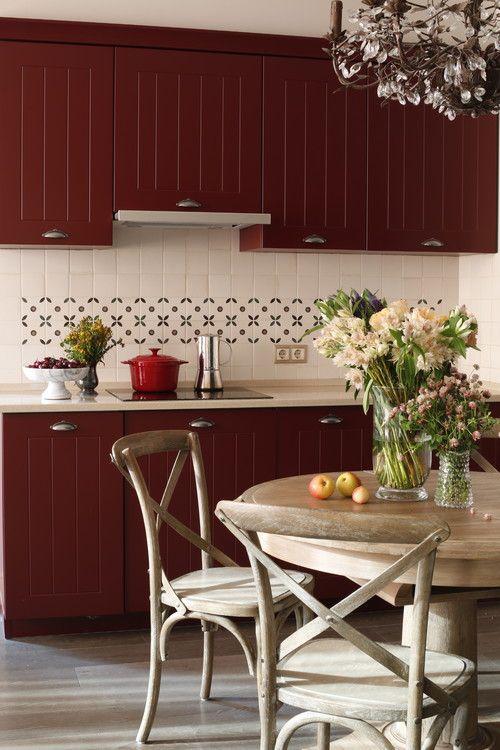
[453, 411]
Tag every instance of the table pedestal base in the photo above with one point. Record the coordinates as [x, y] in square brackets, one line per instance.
[452, 630]
[396, 734]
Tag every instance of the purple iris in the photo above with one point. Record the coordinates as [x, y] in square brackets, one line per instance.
[364, 305]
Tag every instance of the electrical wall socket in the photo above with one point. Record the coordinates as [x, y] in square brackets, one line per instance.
[290, 353]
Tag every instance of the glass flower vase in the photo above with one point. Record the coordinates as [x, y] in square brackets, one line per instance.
[89, 383]
[401, 459]
[453, 488]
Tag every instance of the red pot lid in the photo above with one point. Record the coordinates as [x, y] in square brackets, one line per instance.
[154, 359]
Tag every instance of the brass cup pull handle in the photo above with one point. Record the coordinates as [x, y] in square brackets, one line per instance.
[202, 423]
[314, 239]
[55, 234]
[432, 242]
[63, 427]
[188, 203]
[330, 419]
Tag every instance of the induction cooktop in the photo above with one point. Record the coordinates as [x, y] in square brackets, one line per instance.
[187, 394]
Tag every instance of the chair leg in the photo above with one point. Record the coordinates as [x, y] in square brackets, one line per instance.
[307, 615]
[266, 695]
[299, 616]
[460, 726]
[323, 737]
[154, 681]
[208, 661]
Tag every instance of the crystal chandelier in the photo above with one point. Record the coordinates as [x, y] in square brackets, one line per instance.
[440, 52]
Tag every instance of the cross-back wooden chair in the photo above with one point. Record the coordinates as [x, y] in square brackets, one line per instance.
[213, 595]
[352, 681]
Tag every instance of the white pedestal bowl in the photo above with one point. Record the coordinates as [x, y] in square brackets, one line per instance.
[56, 380]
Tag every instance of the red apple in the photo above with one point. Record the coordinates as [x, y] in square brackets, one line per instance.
[347, 483]
[321, 486]
[361, 495]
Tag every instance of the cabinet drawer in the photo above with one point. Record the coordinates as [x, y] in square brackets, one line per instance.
[317, 439]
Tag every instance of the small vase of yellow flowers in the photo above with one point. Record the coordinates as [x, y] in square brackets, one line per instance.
[88, 342]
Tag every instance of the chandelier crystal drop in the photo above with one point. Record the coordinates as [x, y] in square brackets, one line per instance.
[438, 52]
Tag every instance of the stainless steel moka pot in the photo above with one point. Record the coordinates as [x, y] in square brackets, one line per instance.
[208, 377]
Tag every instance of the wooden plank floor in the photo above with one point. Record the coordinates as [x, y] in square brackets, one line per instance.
[86, 692]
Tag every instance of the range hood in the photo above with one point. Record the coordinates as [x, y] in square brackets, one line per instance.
[180, 219]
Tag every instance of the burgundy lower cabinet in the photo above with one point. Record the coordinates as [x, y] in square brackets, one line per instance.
[72, 541]
[239, 450]
[313, 440]
[316, 439]
[62, 517]
[56, 144]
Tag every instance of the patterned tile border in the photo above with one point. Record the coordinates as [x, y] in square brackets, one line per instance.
[45, 320]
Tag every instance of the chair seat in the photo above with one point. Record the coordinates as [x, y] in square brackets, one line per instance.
[230, 591]
[332, 675]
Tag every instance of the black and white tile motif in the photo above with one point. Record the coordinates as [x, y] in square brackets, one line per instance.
[142, 321]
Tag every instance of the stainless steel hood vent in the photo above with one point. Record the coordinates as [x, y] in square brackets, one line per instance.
[180, 219]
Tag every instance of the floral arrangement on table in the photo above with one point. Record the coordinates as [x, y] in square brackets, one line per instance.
[88, 342]
[454, 413]
[392, 350]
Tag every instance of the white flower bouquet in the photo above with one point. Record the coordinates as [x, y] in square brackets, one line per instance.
[391, 350]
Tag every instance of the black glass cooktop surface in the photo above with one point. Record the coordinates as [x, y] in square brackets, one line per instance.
[186, 394]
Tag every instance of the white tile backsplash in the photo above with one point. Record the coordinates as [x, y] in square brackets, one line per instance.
[198, 280]
[479, 289]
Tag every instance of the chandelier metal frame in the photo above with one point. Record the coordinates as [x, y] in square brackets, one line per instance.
[445, 53]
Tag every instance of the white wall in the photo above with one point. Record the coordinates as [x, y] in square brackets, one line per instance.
[298, 17]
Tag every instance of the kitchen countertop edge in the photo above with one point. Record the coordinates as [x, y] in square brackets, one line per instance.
[21, 400]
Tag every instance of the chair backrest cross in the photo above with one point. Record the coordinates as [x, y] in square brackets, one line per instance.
[422, 536]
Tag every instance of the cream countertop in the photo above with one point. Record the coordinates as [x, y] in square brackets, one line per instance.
[27, 399]
[22, 399]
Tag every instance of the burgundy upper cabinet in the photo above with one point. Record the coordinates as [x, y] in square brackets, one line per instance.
[188, 128]
[56, 144]
[432, 183]
[314, 160]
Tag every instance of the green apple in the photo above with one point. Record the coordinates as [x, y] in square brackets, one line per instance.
[347, 483]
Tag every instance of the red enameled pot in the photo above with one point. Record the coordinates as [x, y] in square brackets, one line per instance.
[154, 372]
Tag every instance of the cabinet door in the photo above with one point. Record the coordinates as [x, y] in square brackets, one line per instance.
[314, 159]
[311, 440]
[56, 144]
[432, 183]
[62, 516]
[188, 126]
[239, 450]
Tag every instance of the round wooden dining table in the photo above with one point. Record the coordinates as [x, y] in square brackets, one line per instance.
[467, 568]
